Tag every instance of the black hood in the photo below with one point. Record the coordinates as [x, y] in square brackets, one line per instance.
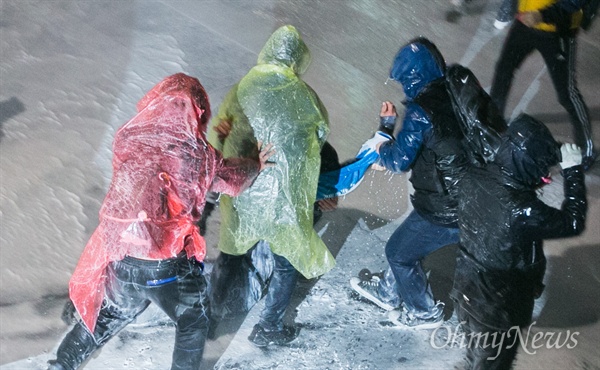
[527, 152]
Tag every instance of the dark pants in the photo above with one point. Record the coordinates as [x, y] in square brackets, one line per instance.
[279, 295]
[559, 55]
[176, 285]
[483, 355]
[412, 241]
[239, 282]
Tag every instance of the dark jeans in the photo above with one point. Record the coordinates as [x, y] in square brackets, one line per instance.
[281, 288]
[412, 241]
[559, 55]
[239, 282]
[176, 285]
[481, 354]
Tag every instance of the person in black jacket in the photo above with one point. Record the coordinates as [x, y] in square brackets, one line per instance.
[431, 145]
[550, 27]
[500, 263]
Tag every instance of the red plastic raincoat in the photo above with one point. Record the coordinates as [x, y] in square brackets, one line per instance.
[162, 170]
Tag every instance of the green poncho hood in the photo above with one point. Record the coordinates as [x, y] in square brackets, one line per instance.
[286, 48]
[273, 105]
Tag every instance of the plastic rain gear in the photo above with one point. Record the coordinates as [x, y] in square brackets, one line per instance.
[501, 262]
[449, 122]
[162, 170]
[429, 142]
[480, 120]
[273, 105]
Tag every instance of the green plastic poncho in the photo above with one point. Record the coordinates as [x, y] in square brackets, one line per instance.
[273, 105]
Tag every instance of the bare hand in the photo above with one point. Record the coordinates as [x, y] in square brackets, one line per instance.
[223, 129]
[264, 155]
[387, 109]
[328, 204]
[378, 167]
[530, 19]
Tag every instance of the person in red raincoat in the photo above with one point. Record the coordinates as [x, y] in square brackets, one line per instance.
[147, 247]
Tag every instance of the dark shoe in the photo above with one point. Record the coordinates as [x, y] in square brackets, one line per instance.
[262, 338]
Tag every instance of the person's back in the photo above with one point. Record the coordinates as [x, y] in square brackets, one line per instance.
[275, 105]
[272, 104]
[147, 247]
[501, 264]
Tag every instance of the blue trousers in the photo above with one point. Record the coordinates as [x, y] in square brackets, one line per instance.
[405, 281]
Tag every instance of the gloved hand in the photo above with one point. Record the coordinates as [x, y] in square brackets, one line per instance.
[371, 144]
[387, 118]
[571, 155]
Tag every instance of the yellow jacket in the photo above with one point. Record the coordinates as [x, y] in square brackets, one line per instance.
[533, 5]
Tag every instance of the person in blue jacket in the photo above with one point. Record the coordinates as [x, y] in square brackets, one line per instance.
[429, 145]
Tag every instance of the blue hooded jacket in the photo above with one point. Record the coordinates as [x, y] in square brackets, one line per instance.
[416, 65]
[430, 141]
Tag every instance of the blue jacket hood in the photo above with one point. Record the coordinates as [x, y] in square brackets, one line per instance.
[416, 65]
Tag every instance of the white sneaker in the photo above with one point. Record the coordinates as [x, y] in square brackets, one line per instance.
[368, 290]
[405, 319]
[500, 25]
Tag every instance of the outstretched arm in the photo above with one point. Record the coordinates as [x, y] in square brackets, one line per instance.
[234, 175]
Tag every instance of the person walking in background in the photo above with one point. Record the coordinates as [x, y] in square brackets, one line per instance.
[147, 247]
[504, 15]
[430, 144]
[551, 27]
[500, 264]
[272, 103]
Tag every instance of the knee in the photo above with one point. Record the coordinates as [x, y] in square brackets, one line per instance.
[397, 257]
[390, 252]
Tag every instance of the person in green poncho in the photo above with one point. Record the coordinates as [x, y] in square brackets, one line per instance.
[272, 104]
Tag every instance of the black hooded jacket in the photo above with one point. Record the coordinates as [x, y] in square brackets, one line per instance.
[502, 223]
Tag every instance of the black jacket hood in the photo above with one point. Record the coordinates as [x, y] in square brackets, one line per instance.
[527, 152]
